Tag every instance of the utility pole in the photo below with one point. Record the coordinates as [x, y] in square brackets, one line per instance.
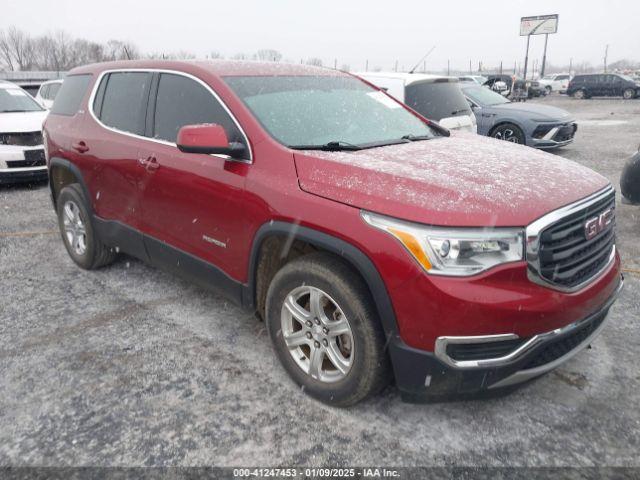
[470, 69]
[396, 69]
[424, 66]
[606, 54]
[448, 68]
[335, 63]
[515, 63]
[544, 55]
[570, 65]
[366, 66]
[500, 67]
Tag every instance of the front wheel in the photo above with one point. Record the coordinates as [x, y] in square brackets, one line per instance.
[548, 89]
[509, 132]
[325, 330]
[629, 93]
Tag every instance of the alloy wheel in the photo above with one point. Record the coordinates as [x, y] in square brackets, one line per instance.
[317, 334]
[74, 228]
[507, 134]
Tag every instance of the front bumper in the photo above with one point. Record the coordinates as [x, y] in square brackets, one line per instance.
[422, 375]
[553, 136]
[22, 165]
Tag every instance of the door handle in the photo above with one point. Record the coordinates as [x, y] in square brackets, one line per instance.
[79, 146]
[149, 163]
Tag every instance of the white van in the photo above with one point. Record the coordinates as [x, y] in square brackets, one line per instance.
[438, 98]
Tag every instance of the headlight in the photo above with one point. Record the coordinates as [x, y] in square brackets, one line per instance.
[453, 251]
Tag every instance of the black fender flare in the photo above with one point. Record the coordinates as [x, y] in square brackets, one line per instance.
[58, 162]
[353, 255]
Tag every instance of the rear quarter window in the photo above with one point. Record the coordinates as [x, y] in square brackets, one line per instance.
[70, 96]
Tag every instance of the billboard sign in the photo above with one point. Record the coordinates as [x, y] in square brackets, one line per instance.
[542, 24]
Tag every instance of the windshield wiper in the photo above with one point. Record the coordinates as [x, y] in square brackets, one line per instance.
[336, 146]
[462, 110]
[16, 111]
[415, 138]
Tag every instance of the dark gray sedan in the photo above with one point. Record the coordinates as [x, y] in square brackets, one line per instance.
[539, 126]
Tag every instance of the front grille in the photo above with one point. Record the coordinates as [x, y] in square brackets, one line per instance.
[480, 351]
[22, 139]
[32, 158]
[558, 348]
[567, 257]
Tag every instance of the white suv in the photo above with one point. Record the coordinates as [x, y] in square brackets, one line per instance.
[556, 82]
[47, 93]
[438, 98]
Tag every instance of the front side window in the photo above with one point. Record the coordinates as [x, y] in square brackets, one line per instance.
[183, 101]
[13, 100]
[121, 103]
[312, 111]
[70, 95]
[44, 91]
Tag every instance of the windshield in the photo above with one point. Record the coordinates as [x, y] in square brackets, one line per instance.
[16, 100]
[437, 100]
[318, 110]
[484, 97]
[627, 78]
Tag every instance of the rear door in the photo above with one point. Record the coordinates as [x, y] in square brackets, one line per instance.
[119, 106]
[192, 203]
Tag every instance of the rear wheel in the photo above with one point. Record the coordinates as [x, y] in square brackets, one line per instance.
[580, 94]
[79, 237]
[548, 89]
[509, 132]
[325, 330]
[629, 93]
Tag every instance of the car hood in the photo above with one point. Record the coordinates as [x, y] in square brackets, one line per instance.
[462, 180]
[535, 111]
[17, 122]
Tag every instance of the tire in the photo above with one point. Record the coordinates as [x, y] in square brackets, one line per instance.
[509, 132]
[548, 89]
[580, 94]
[343, 302]
[79, 237]
[629, 93]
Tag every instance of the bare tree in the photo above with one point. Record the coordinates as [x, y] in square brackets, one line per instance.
[268, 55]
[214, 54]
[241, 56]
[17, 49]
[345, 67]
[314, 61]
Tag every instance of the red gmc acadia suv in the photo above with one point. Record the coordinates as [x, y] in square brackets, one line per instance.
[375, 244]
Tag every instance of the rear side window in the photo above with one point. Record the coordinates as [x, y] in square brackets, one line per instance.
[53, 90]
[437, 100]
[183, 101]
[44, 91]
[70, 95]
[563, 77]
[121, 100]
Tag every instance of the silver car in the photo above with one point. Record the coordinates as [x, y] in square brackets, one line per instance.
[539, 126]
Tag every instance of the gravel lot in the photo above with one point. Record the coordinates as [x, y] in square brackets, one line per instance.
[131, 366]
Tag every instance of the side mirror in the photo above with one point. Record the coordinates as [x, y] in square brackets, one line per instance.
[208, 138]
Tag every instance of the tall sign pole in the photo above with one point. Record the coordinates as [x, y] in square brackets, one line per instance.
[539, 25]
[526, 57]
[544, 55]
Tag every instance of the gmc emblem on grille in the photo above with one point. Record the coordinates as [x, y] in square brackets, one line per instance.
[595, 225]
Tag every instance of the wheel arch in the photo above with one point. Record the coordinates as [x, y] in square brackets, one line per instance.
[62, 173]
[352, 255]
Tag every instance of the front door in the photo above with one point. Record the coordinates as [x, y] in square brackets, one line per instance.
[192, 203]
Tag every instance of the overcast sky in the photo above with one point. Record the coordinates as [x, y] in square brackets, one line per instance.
[350, 31]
